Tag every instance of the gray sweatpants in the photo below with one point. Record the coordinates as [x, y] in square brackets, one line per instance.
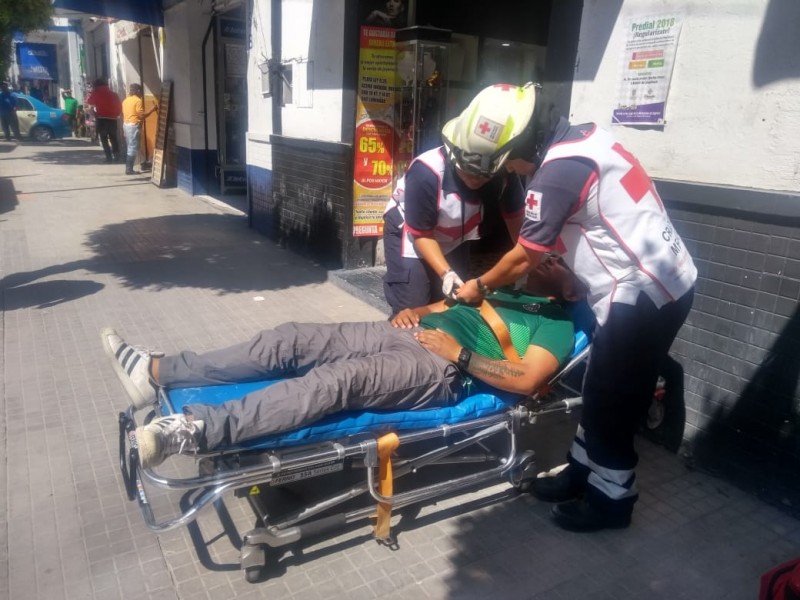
[326, 368]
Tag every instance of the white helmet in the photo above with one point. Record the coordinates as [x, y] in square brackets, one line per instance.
[480, 139]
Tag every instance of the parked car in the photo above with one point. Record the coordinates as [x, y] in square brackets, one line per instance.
[39, 121]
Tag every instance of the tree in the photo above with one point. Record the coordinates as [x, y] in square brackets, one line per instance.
[20, 16]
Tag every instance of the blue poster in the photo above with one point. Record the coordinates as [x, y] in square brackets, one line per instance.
[38, 61]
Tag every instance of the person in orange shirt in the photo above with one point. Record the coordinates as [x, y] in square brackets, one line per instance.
[133, 116]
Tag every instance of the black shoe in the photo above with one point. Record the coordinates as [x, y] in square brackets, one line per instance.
[579, 515]
[558, 488]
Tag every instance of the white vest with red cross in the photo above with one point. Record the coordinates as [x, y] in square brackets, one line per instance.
[620, 241]
[458, 218]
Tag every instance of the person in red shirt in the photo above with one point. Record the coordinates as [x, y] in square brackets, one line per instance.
[107, 108]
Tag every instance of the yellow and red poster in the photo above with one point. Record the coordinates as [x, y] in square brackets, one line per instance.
[374, 143]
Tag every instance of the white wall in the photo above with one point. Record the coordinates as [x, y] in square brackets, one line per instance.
[728, 122]
[259, 105]
[312, 33]
[313, 30]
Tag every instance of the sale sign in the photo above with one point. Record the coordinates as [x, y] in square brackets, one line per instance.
[374, 140]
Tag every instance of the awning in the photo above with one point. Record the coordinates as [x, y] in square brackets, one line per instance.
[139, 11]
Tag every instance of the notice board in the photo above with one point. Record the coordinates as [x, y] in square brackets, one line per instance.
[158, 175]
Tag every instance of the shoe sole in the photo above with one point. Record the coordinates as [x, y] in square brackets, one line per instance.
[148, 446]
[135, 395]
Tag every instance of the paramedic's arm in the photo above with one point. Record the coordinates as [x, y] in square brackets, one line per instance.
[430, 251]
[555, 192]
[422, 215]
[513, 265]
[408, 318]
[525, 377]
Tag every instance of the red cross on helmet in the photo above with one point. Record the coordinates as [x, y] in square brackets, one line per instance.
[480, 139]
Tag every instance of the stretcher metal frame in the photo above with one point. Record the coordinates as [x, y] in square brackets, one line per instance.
[241, 469]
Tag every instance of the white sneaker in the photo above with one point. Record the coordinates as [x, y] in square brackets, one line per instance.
[166, 436]
[132, 366]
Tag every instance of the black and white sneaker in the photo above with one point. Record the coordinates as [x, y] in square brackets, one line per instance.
[132, 366]
[165, 436]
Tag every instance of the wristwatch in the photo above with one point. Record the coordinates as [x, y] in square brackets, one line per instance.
[463, 359]
[483, 289]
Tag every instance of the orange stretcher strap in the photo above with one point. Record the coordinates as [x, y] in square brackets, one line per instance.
[387, 444]
[500, 330]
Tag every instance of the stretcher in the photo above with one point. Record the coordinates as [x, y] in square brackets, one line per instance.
[371, 462]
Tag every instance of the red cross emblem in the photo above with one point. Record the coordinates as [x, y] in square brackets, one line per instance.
[504, 86]
[533, 205]
[484, 127]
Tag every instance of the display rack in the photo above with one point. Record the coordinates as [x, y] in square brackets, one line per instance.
[421, 101]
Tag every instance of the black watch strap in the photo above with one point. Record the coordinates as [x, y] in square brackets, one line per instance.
[463, 359]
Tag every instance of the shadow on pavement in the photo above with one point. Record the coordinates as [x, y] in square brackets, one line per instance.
[45, 294]
[8, 195]
[82, 156]
[212, 251]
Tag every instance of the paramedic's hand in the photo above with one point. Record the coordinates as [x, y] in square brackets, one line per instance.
[469, 293]
[451, 283]
[439, 342]
[406, 319]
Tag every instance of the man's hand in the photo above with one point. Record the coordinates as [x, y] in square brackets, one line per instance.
[470, 293]
[439, 342]
[451, 283]
[406, 319]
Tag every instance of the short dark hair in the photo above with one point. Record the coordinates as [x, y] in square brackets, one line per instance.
[135, 88]
[99, 81]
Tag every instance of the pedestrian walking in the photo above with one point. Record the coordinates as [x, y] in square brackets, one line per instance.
[107, 108]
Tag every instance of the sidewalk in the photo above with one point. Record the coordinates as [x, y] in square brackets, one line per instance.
[83, 246]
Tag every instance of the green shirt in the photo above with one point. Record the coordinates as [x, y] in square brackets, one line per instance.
[70, 106]
[531, 321]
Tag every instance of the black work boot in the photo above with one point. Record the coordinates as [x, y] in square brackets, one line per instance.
[129, 166]
[108, 156]
[567, 485]
[580, 515]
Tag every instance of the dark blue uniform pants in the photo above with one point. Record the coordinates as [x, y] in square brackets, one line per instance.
[627, 353]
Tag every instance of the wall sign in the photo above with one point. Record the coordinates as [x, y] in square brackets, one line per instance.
[646, 71]
[38, 61]
[374, 143]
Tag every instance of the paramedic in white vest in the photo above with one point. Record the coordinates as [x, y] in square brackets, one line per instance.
[589, 200]
[438, 204]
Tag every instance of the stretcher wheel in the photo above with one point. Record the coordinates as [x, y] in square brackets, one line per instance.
[252, 574]
[524, 473]
[253, 561]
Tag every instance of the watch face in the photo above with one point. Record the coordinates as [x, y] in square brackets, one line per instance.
[464, 357]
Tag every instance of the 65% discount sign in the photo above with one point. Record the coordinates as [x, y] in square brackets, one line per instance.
[373, 168]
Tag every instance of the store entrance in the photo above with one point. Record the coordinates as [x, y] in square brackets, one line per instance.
[231, 101]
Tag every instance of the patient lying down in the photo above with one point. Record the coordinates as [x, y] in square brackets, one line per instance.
[425, 357]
